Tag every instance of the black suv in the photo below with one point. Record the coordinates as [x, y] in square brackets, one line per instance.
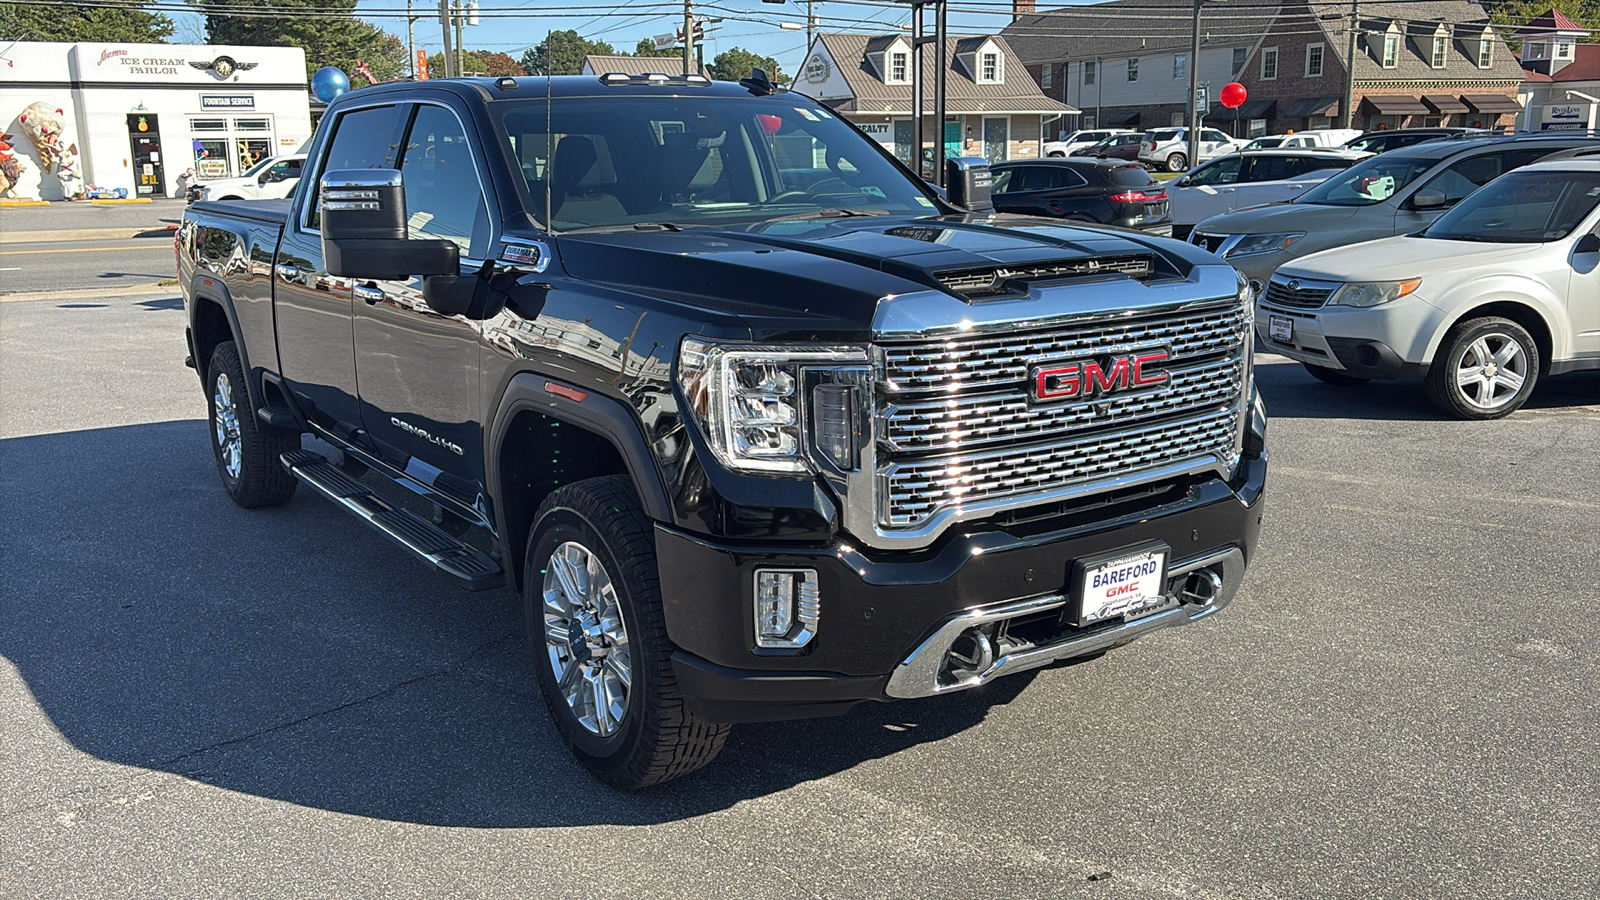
[1394, 139]
[1086, 190]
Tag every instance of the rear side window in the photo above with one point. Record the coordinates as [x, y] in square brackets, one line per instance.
[1162, 137]
[362, 139]
[1131, 176]
[1465, 176]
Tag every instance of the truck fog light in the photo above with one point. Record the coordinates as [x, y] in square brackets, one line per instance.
[786, 607]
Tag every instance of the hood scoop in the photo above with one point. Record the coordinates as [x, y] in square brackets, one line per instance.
[1010, 280]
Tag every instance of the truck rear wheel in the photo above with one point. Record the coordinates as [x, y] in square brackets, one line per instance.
[247, 452]
[592, 608]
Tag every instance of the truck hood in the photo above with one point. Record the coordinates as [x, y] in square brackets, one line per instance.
[1279, 217]
[828, 275]
[1402, 257]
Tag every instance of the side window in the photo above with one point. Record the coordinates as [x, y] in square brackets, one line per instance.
[1223, 171]
[1214, 136]
[1516, 159]
[362, 139]
[1033, 178]
[1068, 178]
[443, 196]
[1465, 176]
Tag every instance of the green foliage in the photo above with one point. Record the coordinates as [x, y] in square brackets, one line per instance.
[478, 62]
[329, 40]
[647, 47]
[562, 53]
[113, 24]
[735, 64]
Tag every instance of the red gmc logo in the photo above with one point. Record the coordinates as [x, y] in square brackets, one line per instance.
[1093, 378]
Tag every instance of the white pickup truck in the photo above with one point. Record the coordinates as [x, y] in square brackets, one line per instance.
[268, 180]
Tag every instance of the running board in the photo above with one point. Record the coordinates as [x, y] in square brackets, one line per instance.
[466, 565]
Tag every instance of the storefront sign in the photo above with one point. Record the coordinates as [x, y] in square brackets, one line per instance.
[227, 101]
[1567, 117]
[817, 69]
[211, 168]
[882, 132]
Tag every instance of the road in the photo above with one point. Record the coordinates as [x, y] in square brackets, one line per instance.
[199, 700]
[114, 264]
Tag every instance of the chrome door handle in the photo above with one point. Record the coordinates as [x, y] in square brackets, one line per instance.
[371, 295]
[288, 272]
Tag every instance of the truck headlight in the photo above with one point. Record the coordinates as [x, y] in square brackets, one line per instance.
[751, 402]
[1371, 293]
[1251, 244]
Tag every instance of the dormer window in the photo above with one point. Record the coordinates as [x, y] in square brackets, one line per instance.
[989, 68]
[1563, 50]
[1391, 50]
[1437, 58]
[1535, 51]
[1486, 50]
[899, 67]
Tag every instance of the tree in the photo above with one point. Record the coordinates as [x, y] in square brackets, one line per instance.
[479, 62]
[339, 39]
[562, 53]
[735, 64]
[112, 24]
[647, 47]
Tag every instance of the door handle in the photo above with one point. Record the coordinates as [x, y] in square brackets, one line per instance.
[371, 295]
[288, 272]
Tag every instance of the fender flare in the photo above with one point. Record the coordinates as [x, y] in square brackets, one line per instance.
[596, 413]
[217, 292]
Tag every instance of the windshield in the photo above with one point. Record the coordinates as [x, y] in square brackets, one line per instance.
[1522, 208]
[1365, 183]
[623, 161]
[1264, 143]
[257, 167]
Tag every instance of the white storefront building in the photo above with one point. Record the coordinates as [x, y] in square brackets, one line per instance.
[141, 114]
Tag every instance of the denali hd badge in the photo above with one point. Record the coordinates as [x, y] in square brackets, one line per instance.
[1090, 378]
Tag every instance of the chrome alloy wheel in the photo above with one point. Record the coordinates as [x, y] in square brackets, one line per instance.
[1491, 370]
[585, 638]
[225, 413]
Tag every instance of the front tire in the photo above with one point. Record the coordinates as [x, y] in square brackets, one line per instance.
[1486, 369]
[592, 610]
[1333, 376]
[1177, 162]
[246, 451]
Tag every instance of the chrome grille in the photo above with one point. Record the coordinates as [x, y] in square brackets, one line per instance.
[1211, 242]
[985, 419]
[1297, 295]
[919, 489]
[956, 364]
[957, 430]
[979, 282]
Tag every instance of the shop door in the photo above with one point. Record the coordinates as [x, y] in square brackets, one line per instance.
[145, 138]
[902, 140]
[995, 132]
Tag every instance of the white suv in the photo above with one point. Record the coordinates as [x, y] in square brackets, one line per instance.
[1080, 139]
[1495, 293]
[1168, 148]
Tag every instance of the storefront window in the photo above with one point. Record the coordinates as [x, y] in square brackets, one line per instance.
[210, 158]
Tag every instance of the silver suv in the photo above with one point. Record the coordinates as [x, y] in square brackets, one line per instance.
[1168, 148]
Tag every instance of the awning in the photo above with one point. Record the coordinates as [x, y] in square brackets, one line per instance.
[1396, 105]
[1250, 109]
[1130, 120]
[1491, 103]
[1443, 104]
[1313, 106]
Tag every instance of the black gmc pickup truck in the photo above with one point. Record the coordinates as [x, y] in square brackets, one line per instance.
[759, 424]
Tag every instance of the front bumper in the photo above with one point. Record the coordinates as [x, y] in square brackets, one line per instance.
[888, 620]
[1390, 342]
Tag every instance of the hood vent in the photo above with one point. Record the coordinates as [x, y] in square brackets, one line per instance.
[998, 280]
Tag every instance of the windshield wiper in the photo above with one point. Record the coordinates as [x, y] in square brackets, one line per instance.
[620, 226]
[839, 212]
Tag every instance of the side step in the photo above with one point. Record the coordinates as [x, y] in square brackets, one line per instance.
[469, 567]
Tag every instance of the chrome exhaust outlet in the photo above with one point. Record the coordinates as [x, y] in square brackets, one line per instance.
[1201, 588]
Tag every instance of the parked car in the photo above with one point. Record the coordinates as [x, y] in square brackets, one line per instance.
[1395, 193]
[1494, 294]
[1316, 137]
[1111, 192]
[266, 180]
[1118, 146]
[1080, 139]
[1251, 178]
[1168, 148]
[1394, 139]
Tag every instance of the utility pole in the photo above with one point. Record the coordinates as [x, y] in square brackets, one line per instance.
[1350, 68]
[688, 37]
[811, 26]
[1194, 88]
[411, 40]
[449, 54]
[461, 44]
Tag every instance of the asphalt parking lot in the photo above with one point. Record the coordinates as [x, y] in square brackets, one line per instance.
[198, 700]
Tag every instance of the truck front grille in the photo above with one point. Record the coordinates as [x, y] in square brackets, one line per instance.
[957, 426]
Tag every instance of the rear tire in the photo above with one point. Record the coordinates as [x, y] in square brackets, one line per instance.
[1485, 369]
[1177, 162]
[246, 451]
[1333, 376]
[1056, 155]
[592, 608]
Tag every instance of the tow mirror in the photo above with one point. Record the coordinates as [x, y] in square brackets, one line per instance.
[363, 225]
[1589, 243]
[1428, 198]
[967, 181]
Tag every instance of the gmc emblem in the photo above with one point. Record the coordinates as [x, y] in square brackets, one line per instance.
[1084, 379]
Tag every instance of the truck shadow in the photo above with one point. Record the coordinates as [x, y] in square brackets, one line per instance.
[288, 654]
[1291, 392]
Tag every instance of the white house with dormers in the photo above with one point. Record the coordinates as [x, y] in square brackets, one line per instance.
[1561, 75]
[994, 108]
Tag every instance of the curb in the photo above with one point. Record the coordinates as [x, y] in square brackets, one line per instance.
[134, 290]
[82, 234]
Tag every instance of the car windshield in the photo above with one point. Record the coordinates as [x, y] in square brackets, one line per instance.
[606, 162]
[257, 167]
[1522, 208]
[1367, 182]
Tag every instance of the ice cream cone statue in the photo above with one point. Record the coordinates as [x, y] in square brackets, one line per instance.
[44, 128]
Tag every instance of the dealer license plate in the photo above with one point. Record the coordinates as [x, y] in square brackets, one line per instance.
[1127, 583]
[1280, 328]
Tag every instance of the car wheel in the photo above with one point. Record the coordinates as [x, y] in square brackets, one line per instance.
[1177, 162]
[1055, 155]
[1333, 376]
[592, 608]
[247, 452]
[1485, 369]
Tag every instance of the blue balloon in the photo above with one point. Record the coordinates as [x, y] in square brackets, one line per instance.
[329, 82]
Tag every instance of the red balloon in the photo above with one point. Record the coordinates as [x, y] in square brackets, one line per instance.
[770, 123]
[1233, 95]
